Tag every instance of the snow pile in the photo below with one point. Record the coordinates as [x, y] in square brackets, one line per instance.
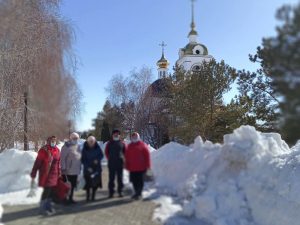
[15, 180]
[15, 168]
[253, 178]
[21, 197]
[166, 207]
[151, 149]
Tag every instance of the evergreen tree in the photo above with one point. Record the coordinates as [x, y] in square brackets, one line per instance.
[197, 98]
[230, 117]
[109, 118]
[97, 124]
[84, 135]
[165, 139]
[258, 97]
[279, 57]
[105, 133]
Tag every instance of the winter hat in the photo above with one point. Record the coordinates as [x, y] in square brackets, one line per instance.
[49, 139]
[116, 131]
[74, 135]
[136, 135]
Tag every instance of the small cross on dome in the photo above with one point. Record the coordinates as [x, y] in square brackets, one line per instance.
[163, 45]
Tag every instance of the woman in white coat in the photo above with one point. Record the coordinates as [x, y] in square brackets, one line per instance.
[71, 163]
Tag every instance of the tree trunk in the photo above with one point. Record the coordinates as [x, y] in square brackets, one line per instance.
[26, 144]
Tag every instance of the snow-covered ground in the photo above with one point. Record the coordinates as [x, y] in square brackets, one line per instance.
[15, 180]
[253, 178]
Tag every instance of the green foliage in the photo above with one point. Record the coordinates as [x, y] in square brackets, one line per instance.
[279, 57]
[108, 119]
[84, 135]
[197, 99]
[105, 133]
[165, 139]
[257, 95]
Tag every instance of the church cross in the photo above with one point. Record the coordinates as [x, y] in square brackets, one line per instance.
[193, 23]
[163, 45]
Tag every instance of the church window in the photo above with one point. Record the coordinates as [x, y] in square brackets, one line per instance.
[196, 68]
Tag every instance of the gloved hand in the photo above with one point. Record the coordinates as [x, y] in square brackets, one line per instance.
[33, 188]
[32, 184]
[149, 176]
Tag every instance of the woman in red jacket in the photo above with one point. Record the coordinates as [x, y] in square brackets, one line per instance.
[137, 159]
[47, 164]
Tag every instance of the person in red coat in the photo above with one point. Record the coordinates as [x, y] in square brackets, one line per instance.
[137, 161]
[47, 164]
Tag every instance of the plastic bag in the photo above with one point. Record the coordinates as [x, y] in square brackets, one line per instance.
[149, 176]
[33, 189]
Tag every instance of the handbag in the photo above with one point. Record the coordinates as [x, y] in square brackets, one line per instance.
[95, 180]
[62, 189]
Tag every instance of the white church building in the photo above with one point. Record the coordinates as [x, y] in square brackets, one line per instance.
[190, 57]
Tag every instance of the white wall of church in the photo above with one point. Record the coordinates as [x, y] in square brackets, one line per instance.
[189, 61]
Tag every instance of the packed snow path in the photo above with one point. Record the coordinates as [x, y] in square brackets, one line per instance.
[116, 211]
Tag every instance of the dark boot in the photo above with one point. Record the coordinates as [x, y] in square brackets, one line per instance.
[111, 195]
[87, 194]
[48, 206]
[94, 194]
[42, 208]
[135, 197]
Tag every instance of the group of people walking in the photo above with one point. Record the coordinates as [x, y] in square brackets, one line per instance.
[55, 167]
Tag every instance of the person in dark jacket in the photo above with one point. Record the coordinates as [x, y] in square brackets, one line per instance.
[137, 158]
[115, 151]
[47, 164]
[91, 159]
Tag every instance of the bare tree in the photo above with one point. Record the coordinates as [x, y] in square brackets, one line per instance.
[129, 95]
[143, 104]
[35, 58]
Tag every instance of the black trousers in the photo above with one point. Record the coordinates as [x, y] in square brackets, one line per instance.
[91, 185]
[73, 180]
[113, 173]
[47, 193]
[137, 180]
[88, 193]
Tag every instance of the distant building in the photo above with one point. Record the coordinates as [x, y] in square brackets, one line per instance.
[190, 59]
[194, 53]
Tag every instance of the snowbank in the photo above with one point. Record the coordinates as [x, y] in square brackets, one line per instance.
[15, 167]
[166, 207]
[253, 178]
[20, 197]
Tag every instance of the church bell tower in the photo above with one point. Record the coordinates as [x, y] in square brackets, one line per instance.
[194, 53]
[163, 63]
